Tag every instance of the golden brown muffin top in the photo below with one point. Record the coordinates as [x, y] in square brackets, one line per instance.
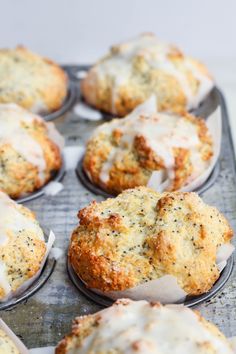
[124, 152]
[142, 327]
[142, 235]
[33, 82]
[15, 124]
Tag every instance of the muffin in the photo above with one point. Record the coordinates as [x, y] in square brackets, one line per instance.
[22, 247]
[141, 236]
[33, 82]
[29, 151]
[133, 70]
[143, 327]
[7, 346]
[124, 153]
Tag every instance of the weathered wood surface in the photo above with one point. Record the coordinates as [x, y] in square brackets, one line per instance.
[45, 317]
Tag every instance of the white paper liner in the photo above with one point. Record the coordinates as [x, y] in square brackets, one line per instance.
[53, 188]
[232, 341]
[55, 136]
[214, 124]
[28, 283]
[81, 74]
[84, 111]
[72, 154]
[166, 288]
[224, 252]
[43, 350]
[20, 346]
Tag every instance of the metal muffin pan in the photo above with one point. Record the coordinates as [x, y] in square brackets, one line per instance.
[41, 191]
[45, 274]
[58, 302]
[68, 103]
[189, 302]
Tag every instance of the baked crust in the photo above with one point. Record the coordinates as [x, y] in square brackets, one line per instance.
[22, 245]
[144, 328]
[142, 235]
[136, 157]
[19, 175]
[33, 82]
[132, 71]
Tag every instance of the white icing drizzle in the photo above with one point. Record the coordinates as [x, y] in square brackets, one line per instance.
[11, 222]
[12, 132]
[4, 282]
[118, 66]
[162, 133]
[140, 327]
[55, 136]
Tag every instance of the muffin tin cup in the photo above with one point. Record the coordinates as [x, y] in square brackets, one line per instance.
[37, 284]
[84, 179]
[68, 103]
[190, 301]
[40, 192]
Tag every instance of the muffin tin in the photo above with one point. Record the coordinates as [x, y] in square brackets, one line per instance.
[50, 311]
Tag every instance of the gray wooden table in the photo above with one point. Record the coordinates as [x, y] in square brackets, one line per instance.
[45, 317]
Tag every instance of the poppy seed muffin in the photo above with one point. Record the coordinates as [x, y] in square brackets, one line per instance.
[22, 246]
[6, 344]
[33, 82]
[29, 151]
[143, 327]
[142, 235]
[124, 153]
[133, 70]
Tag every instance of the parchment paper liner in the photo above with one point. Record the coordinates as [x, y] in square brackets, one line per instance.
[165, 289]
[214, 124]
